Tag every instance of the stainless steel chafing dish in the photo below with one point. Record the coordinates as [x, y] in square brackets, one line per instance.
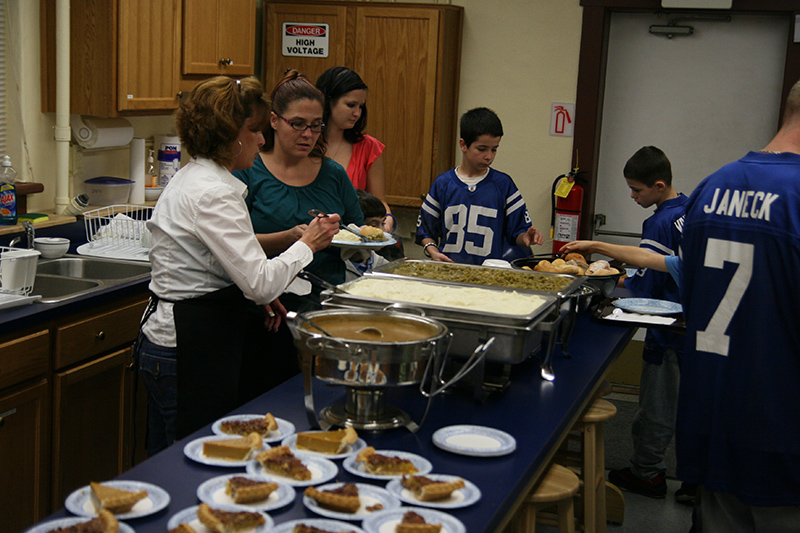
[515, 336]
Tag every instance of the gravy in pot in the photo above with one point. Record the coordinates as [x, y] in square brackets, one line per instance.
[373, 329]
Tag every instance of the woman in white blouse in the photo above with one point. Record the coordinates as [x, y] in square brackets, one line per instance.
[202, 347]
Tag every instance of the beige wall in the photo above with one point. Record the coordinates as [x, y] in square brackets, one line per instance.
[519, 56]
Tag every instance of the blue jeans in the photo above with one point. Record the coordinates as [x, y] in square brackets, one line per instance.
[158, 366]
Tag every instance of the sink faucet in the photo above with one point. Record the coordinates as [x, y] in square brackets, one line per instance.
[29, 233]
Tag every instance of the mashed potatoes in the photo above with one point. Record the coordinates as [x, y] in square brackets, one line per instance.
[469, 298]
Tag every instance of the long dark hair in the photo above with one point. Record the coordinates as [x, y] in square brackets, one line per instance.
[334, 83]
[293, 87]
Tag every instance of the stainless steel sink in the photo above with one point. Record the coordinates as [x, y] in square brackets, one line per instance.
[70, 276]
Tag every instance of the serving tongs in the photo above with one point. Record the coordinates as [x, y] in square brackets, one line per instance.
[321, 214]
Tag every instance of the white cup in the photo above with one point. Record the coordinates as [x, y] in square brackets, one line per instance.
[18, 270]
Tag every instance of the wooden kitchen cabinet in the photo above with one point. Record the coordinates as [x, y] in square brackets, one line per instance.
[219, 37]
[409, 55]
[124, 56]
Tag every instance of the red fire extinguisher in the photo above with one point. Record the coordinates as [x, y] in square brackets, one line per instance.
[565, 216]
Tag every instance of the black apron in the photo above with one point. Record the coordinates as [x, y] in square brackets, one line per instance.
[225, 356]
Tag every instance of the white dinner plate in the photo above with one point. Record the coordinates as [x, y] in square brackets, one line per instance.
[369, 245]
[291, 442]
[357, 469]
[46, 527]
[212, 492]
[463, 497]
[369, 495]
[386, 521]
[80, 501]
[322, 470]
[334, 526]
[476, 441]
[649, 306]
[8, 300]
[194, 451]
[285, 428]
[189, 516]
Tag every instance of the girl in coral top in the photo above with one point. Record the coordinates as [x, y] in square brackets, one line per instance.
[345, 117]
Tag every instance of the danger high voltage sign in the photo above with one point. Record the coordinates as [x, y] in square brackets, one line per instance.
[303, 39]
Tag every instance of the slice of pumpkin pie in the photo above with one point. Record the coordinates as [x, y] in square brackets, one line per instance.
[228, 521]
[330, 442]
[238, 449]
[114, 500]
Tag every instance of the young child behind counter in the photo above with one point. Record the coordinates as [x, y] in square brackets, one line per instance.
[474, 212]
[374, 215]
[648, 174]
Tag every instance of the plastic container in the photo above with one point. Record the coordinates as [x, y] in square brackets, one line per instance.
[169, 158]
[8, 193]
[108, 190]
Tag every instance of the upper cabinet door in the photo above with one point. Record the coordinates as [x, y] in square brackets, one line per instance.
[219, 37]
[148, 55]
[277, 59]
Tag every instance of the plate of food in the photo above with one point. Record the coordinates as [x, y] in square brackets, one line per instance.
[204, 518]
[245, 491]
[387, 521]
[376, 238]
[435, 490]
[348, 501]
[316, 525]
[475, 441]
[272, 429]
[385, 464]
[224, 450]
[648, 306]
[336, 444]
[295, 469]
[104, 522]
[124, 499]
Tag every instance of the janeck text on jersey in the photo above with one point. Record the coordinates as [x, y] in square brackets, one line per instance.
[741, 204]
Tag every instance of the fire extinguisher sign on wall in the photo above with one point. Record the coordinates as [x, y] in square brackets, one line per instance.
[562, 119]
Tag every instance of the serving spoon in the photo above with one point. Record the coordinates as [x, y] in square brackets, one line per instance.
[321, 214]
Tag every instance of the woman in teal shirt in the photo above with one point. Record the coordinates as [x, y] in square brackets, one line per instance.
[291, 175]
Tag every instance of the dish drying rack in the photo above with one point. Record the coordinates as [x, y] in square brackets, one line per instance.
[17, 270]
[117, 231]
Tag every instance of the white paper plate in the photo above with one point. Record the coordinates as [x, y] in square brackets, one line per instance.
[334, 526]
[8, 300]
[322, 470]
[648, 306]
[189, 516]
[368, 494]
[386, 521]
[80, 501]
[465, 497]
[212, 492]
[369, 245]
[356, 468]
[285, 428]
[476, 441]
[46, 527]
[194, 451]
[291, 442]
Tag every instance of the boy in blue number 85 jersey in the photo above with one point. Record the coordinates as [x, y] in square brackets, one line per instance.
[474, 212]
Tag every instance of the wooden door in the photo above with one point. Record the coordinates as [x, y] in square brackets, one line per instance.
[276, 63]
[148, 55]
[396, 55]
[219, 37]
[91, 429]
[24, 467]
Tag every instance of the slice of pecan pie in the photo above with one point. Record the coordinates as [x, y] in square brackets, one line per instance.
[228, 521]
[384, 465]
[414, 523]
[305, 528]
[262, 426]
[246, 490]
[104, 522]
[343, 499]
[281, 461]
[426, 489]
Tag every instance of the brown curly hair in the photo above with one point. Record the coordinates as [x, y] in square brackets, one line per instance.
[210, 119]
[293, 87]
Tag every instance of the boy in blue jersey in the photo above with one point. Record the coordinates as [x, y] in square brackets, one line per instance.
[648, 174]
[738, 431]
[474, 212]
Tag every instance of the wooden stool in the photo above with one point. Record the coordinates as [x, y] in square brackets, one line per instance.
[584, 451]
[558, 486]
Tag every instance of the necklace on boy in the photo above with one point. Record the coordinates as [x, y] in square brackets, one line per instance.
[769, 152]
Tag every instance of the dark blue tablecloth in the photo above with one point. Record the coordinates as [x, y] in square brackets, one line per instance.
[537, 413]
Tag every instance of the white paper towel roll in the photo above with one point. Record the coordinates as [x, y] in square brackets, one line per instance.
[95, 132]
[137, 171]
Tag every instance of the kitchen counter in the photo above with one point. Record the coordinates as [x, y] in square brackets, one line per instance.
[536, 412]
